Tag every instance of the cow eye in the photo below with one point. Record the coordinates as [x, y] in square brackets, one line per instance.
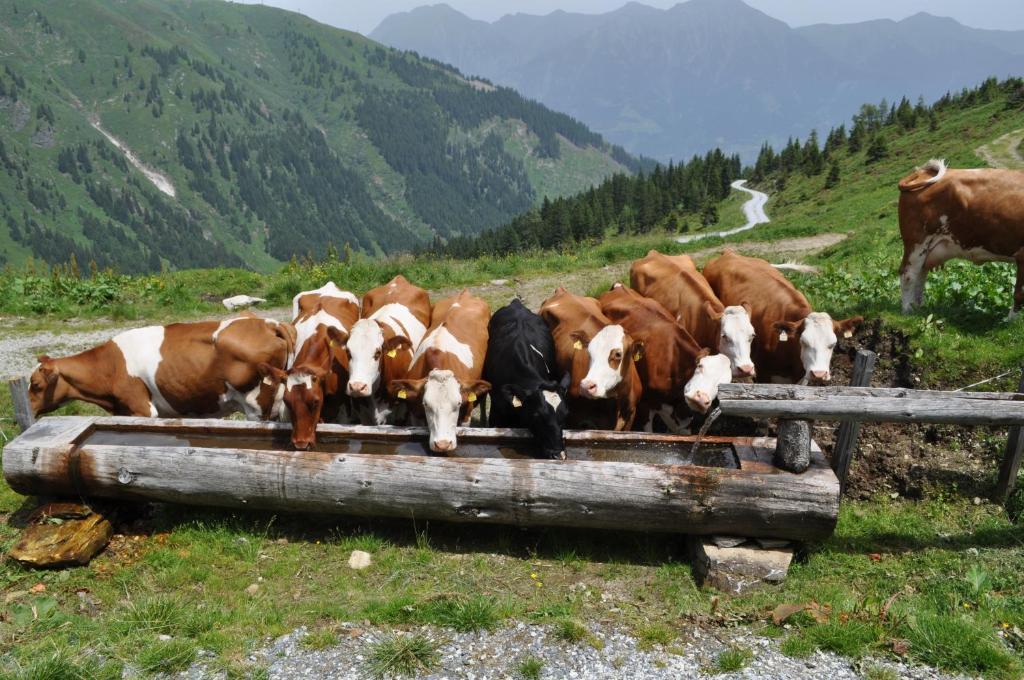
[617, 354]
[376, 355]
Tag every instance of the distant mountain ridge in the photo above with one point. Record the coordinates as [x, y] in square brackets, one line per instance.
[674, 82]
[249, 135]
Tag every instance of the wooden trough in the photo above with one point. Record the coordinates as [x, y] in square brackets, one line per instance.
[624, 481]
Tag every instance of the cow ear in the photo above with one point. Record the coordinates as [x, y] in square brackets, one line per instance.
[746, 306]
[272, 372]
[49, 374]
[580, 340]
[473, 390]
[710, 310]
[406, 390]
[44, 359]
[563, 384]
[636, 350]
[786, 329]
[704, 352]
[846, 327]
[336, 337]
[513, 394]
[396, 343]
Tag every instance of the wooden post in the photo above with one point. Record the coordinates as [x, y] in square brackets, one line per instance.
[19, 397]
[793, 445]
[1012, 460]
[848, 432]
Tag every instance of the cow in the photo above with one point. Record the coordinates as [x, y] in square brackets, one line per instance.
[444, 382]
[679, 377]
[204, 369]
[380, 347]
[526, 390]
[673, 280]
[976, 215]
[599, 356]
[315, 379]
[792, 343]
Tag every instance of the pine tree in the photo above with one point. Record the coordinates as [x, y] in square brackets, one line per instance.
[833, 176]
[878, 149]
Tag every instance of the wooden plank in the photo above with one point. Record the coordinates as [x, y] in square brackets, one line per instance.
[1010, 467]
[849, 431]
[586, 494]
[951, 411]
[759, 391]
[23, 414]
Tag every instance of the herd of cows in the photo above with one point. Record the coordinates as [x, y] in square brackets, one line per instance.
[640, 357]
[651, 353]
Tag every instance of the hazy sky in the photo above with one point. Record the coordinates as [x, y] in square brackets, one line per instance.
[364, 15]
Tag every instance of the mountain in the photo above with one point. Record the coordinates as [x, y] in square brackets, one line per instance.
[670, 83]
[174, 133]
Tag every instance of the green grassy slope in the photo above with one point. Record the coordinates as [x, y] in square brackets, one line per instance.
[278, 134]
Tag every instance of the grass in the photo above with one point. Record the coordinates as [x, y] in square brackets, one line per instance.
[402, 656]
[733, 659]
[529, 668]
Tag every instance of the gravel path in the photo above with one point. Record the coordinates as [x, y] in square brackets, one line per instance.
[609, 655]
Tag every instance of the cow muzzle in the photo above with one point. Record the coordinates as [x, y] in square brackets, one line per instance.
[747, 372]
[588, 388]
[303, 444]
[358, 389]
[819, 378]
[699, 401]
[442, 445]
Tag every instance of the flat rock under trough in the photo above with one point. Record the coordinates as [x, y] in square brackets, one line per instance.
[740, 569]
[62, 534]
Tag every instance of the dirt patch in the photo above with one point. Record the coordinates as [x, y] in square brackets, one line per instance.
[910, 459]
[534, 290]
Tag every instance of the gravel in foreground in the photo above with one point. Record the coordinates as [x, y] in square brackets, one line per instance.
[608, 654]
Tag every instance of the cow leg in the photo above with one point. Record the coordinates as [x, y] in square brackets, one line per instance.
[912, 276]
[1018, 288]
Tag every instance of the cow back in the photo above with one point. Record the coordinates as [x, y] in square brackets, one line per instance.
[673, 280]
[398, 291]
[459, 322]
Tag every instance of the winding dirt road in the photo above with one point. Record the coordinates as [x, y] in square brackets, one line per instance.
[752, 209]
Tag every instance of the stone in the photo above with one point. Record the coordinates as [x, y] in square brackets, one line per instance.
[793, 447]
[741, 569]
[62, 534]
[241, 302]
[772, 543]
[728, 541]
[359, 559]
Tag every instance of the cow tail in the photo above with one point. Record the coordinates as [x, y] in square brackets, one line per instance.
[912, 182]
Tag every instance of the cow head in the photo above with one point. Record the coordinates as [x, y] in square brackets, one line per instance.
[310, 381]
[368, 353]
[47, 388]
[446, 401]
[270, 393]
[817, 335]
[702, 389]
[609, 355]
[735, 337]
[543, 410]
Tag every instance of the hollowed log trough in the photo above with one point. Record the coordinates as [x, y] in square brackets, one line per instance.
[624, 481]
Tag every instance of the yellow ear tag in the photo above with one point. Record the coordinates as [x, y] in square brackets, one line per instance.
[471, 397]
[848, 334]
[402, 394]
[392, 353]
[637, 356]
[330, 343]
[516, 403]
[577, 345]
[783, 337]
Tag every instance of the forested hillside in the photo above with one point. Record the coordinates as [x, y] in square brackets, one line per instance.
[163, 133]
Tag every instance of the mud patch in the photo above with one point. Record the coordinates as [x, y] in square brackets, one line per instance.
[908, 459]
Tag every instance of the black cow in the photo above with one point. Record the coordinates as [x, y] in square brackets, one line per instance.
[521, 368]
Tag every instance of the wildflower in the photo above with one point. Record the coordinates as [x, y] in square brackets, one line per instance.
[534, 576]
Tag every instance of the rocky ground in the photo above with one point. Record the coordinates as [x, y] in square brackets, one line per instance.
[607, 654]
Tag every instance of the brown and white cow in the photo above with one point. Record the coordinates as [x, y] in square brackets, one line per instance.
[792, 343]
[673, 280]
[315, 380]
[675, 371]
[206, 369]
[380, 347]
[975, 215]
[600, 357]
[444, 382]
